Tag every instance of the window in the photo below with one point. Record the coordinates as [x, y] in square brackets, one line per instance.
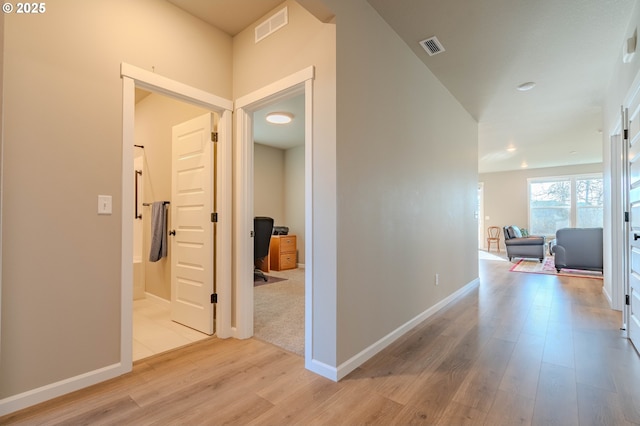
[569, 201]
[589, 203]
[549, 206]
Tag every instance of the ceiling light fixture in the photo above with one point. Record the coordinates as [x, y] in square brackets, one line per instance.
[511, 149]
[526, 86]
[279, 117]
[524, 165]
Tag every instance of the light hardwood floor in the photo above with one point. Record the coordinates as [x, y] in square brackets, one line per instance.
[519, 349]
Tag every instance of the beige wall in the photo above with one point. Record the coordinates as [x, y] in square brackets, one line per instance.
[294, 196]
[406, 183]
[1, 162]
[268, 182]
[304, 42]
[63, 140]
[155, 117]
[506, 194]
[279, 189]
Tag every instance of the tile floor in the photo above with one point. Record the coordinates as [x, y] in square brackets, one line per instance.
[154, 332]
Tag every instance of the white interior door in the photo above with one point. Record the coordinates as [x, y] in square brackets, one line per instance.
[192, 203]
[631, 152]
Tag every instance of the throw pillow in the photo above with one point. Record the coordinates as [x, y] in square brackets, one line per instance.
[517, 232]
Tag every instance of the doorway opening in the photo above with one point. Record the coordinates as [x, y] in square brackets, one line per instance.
[279, 193]
[135, 78]
[159, 323]
[300, 83]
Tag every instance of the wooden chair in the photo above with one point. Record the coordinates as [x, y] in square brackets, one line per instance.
[493, 235]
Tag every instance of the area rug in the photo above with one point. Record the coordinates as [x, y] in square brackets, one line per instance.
[257, 281]
[548, 267]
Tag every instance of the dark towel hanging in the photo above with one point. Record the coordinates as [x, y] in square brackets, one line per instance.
[158, 231]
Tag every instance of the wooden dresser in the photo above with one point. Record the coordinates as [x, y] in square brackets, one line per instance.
[283, 252]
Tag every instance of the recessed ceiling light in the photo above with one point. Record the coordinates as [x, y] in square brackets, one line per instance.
[279, 117]
[573, 152]
[511, 148]
[526, 86]
[524, 165]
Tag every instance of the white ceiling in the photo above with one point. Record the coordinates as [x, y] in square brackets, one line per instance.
[283, 136]
[568, 47]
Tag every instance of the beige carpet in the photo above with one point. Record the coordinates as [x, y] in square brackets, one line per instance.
[278, 315]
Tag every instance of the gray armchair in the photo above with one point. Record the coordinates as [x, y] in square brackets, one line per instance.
[578, 248]
[524, 247]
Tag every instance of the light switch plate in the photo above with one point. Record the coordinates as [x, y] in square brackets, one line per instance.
[104, 204]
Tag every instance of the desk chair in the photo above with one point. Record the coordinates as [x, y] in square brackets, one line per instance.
[262, 229]
[493, 235]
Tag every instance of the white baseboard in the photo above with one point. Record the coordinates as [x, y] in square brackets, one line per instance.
[360, 358]
[609, 298]
[53, 390]
[322, 369]
[157, 299]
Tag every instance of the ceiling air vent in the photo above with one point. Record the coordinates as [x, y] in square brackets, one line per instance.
[432, 45]
[273, 24]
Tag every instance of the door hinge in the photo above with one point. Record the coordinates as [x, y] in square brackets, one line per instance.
[214, 217]
[626, 299]
[626, 216]
[626, 134]
[214, 298]
[214, 136]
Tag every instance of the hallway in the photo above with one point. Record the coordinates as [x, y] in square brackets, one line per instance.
[519, 349]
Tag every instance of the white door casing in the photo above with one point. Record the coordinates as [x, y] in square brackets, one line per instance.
[192, 203]
[132, 78]
[295, 84]
[615, 271]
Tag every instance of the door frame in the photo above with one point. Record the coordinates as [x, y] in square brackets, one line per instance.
[615, 272]
[288, 87]
[133, 77]
[481, 231]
